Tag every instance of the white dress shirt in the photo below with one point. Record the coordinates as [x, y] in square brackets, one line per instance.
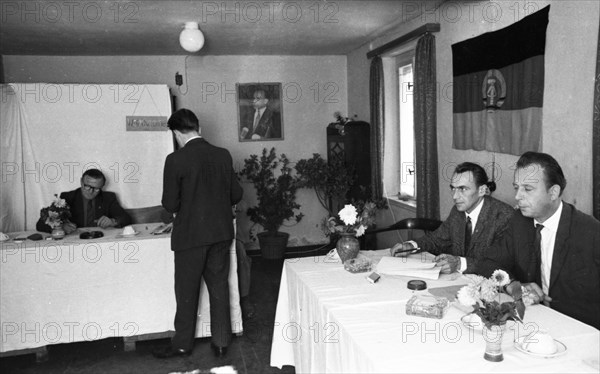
[547, 245]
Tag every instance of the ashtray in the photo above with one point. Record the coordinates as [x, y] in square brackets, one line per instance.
[360, 264]
[427, 306]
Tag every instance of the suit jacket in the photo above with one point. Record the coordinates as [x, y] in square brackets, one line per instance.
[575, 271]
[450, 236]
[106, 205]
[269, 125]
[200, 185]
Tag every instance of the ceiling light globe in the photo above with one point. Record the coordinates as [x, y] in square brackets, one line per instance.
[191, 38]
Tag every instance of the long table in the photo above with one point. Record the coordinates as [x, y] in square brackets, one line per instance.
[72, 290]
[331, 321]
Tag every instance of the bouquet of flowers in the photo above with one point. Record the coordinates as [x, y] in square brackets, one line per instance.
[353, 219]
[483, 295]
[57, 213]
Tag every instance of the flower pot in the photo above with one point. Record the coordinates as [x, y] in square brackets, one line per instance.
[58, 233]
[493, 342]
[347, 246]
[272, 245]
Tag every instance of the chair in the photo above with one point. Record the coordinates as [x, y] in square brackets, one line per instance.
[410, 224]
[149, 214]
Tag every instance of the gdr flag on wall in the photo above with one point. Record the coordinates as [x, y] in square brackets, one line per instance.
[499, 88]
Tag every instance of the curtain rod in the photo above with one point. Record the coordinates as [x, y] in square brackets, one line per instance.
[428, 27]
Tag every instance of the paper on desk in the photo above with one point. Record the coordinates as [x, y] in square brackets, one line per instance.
[411, 267]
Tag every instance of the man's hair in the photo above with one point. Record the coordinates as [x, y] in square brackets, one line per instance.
[264, 92]
[183, 120]
[479, 174]
[94, 174]
[553, 173]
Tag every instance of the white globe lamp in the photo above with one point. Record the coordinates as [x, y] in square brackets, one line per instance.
[191, 38]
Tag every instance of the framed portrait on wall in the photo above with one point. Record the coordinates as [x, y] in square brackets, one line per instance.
[260, 111]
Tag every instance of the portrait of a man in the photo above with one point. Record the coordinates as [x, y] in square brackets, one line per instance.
[260, 111]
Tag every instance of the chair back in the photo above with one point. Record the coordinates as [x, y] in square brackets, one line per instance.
[150, 214]
[409, 224]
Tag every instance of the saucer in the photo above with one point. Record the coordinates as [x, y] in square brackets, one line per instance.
[560, 348]
[127, 235]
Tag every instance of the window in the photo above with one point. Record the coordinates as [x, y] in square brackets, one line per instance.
[399, 140]
[406, 140]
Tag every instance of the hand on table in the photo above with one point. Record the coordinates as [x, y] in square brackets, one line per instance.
[105, 222]
[69, 227]
[448, 263]
[537, 294]
[399, 247]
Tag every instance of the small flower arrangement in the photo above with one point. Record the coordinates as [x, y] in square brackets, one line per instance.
[483, 295]
[353, 219]
[340, 122]
[56, 214]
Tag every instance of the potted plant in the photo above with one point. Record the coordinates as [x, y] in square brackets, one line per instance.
[276, 199]
[331, 181]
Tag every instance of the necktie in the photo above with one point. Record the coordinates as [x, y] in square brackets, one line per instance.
[468, 231]
[256, 120]
[537, 248]
[89, 215]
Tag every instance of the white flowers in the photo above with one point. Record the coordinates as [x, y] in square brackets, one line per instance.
[349, 214]
[484, 289]
[500, 278]
[60, 203]
[467, 296]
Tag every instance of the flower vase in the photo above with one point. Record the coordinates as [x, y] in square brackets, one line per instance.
[493, 342]
[347, 246]
[58, 233]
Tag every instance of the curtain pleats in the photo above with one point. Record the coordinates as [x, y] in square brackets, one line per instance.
[596, 138]
[428, 201]
[376, 100]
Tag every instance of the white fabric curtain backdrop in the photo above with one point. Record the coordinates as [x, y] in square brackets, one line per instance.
[52, 133]
[15, 150]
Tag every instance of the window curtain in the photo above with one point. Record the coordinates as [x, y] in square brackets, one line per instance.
[428, 200]
[596, 137]
[16, 154]
[376, 101]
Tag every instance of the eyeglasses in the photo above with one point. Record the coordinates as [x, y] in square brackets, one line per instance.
[89, 188]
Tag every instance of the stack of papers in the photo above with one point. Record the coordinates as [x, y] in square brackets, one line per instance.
[409, 267]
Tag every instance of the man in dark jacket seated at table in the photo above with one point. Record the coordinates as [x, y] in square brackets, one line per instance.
[550, 246]
[90, 206]
[474, 222]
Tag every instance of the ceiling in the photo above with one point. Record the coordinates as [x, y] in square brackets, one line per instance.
[121, 27]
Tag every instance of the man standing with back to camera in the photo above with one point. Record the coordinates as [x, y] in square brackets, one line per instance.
[199, 188]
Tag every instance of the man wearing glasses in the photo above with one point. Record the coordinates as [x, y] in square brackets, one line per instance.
[90, 206]
[475, 221]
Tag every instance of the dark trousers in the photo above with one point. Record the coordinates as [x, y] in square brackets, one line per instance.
[212, 263]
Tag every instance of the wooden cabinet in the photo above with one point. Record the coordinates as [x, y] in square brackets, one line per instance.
[351, 144]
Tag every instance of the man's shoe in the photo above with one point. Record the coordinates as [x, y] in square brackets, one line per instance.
[170, 352]
[218, 351]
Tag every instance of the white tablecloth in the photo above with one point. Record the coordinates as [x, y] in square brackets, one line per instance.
[331, 321]
[80, 290]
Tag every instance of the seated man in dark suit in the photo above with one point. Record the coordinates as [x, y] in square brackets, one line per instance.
[473, 224]
[90, 206]
[550, 247]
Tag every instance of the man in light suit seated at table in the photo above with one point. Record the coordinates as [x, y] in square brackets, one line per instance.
[90, 206]
[550, 247]
[475, 221]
